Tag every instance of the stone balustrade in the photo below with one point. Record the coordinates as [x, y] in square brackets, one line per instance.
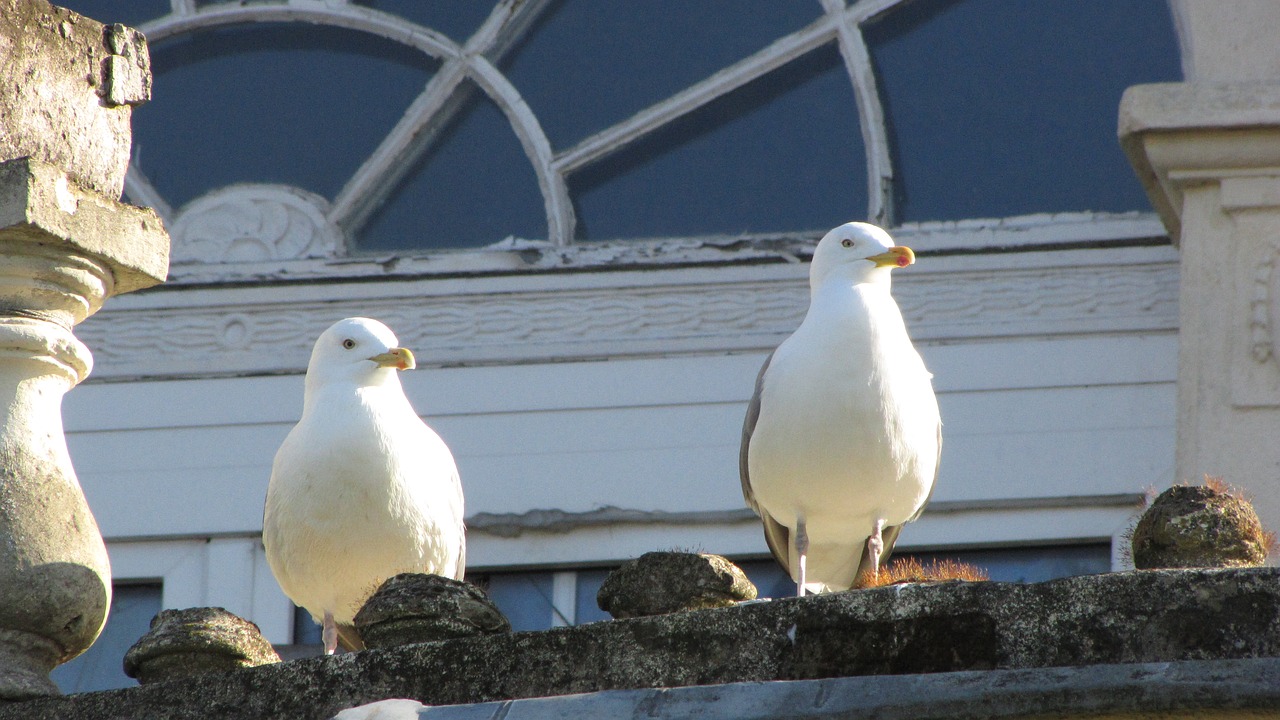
[67, 244]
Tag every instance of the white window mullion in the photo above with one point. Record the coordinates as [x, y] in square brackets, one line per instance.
[564, 598]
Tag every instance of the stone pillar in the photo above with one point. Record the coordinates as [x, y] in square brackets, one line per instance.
[66, 244]
[1208, 152]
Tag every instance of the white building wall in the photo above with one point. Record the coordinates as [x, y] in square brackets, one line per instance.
[622, 411]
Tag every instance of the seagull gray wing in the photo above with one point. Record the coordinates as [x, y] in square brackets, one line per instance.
[749, 428]
[776, 535]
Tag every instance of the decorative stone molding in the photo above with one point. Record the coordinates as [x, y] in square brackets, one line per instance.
[255, 223]
[1264, 308]
[225, 332]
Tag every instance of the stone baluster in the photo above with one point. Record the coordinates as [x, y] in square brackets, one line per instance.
[66, 245]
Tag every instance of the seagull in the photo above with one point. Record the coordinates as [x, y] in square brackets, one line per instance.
[361, 489]
[841, 440]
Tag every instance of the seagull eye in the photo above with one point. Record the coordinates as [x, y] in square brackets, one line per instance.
[348, 343]
[846, 242]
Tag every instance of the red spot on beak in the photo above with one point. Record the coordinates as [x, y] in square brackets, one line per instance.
[903, 261]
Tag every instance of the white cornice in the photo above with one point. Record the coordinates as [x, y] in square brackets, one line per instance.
[575, 316]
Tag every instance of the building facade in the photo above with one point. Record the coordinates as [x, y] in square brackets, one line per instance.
[590, 220]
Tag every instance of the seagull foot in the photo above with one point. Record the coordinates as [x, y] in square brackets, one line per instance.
[329, 633]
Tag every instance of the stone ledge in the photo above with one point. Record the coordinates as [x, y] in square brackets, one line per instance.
[1163, 690]
[1154, 616]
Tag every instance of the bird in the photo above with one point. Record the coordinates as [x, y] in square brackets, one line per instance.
[361, 489]
[842, 437]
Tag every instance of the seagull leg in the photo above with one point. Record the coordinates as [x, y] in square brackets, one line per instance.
[329, 633]
[875, 545]
[802, 550]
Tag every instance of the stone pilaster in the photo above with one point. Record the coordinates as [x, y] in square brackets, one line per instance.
[1209, 154]
[66, 245]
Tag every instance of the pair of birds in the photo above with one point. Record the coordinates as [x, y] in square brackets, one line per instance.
[839, 450]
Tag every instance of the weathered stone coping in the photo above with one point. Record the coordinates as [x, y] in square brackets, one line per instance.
[1154, 616]
[1191, 689]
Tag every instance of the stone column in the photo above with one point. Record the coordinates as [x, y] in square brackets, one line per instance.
[66, 244]
[1208, 152]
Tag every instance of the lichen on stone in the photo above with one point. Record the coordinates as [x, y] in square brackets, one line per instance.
[1210, 525]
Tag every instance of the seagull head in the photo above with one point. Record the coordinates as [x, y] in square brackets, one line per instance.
[857, 252]
[360, 351]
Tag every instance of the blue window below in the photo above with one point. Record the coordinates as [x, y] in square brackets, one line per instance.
[101, 667]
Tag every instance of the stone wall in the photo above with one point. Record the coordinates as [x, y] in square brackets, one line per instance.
[1217, 617]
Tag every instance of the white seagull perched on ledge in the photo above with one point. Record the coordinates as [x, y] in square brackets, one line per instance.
[361, 489]
[841, 441]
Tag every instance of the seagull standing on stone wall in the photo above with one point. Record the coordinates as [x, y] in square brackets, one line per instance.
[841, 441]
[361, 489]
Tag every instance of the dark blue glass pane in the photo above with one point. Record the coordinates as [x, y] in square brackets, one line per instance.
[1024, 564]
[306, 631]
[129, 12]
[1034, 564]
[457, 19]
[474, 187]
[525, 598]
[769, 579]
[1002, 107]
[295, 104]
[592, 63]
[587, 609]
[101, 667]
[783, 153]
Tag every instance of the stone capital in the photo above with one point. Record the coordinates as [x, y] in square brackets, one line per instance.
[1182, 134]
[39, 204]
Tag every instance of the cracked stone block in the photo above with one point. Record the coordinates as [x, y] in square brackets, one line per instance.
[70, 84]
[665, 582]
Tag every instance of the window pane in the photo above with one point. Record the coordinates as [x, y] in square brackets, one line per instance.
[592, 63]
[1025, 564]
[525, 598]
[999, 108]
[1034, 564]
[101, 667]
[129, 12]
[295, 104]
[587, 609]
[306, 631]
[457, 19]
[783, 153]
[473, 187]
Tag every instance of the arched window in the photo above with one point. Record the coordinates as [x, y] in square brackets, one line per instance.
[302, 129]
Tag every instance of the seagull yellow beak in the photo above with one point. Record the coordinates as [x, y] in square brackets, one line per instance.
[398, 358]
[896, 256]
